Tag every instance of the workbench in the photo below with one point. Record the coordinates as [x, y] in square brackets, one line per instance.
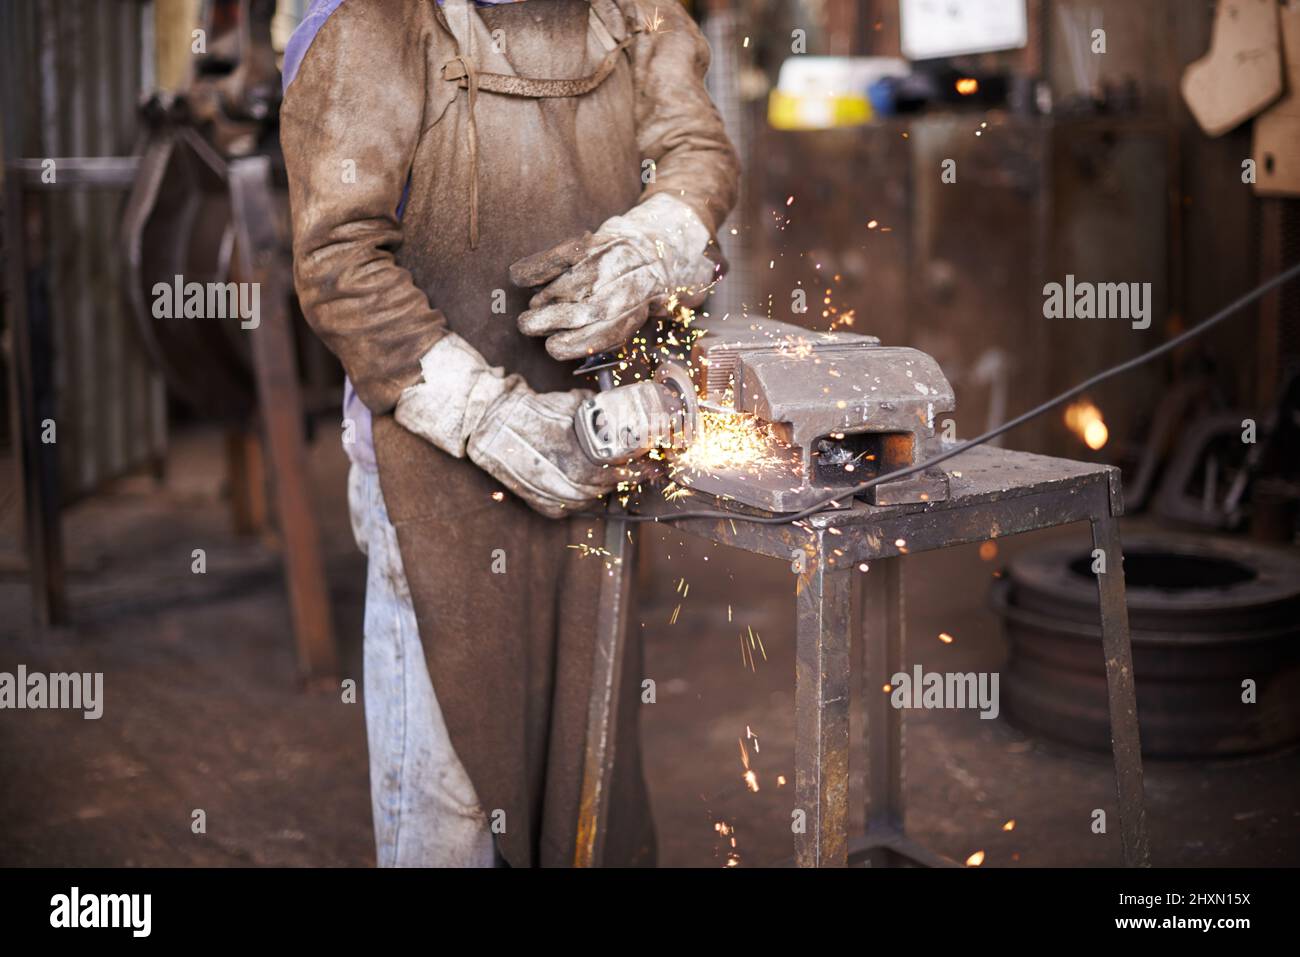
[993, 493]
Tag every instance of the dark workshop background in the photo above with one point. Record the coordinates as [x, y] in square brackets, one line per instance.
[222, 688]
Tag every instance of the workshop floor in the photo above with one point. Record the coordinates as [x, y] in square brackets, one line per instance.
[202, 711]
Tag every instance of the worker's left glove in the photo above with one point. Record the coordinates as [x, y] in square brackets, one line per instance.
[523, 439]
[600, 288]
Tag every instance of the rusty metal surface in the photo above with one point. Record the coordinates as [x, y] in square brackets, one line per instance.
[842, 408]
[73, 72]
[603, 705]
[178, 222]
[822, 703]
[994, 493]
[260, 258]
[1017, 491]
[1121, 691]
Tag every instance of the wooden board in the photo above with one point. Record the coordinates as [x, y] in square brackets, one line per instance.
[1276, 147]
[1242, 73]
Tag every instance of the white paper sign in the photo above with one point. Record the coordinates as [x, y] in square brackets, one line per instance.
[938, 28]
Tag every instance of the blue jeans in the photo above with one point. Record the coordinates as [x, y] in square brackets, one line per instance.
[426, 811]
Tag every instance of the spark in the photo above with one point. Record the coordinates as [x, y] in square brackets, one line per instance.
[498, 496]
[751, 779]
[945, 637]
[1010, 825]
[975, 860]
[588, 550]
[780, 780]
[676, 611]
[967, 85]
[673, 491]
[988, 551]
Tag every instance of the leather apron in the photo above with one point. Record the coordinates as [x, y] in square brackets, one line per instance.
[506, 599]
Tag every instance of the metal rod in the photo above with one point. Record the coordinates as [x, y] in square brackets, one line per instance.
[1122, 693]
[822, 681]
[606, 684]
[883, 635]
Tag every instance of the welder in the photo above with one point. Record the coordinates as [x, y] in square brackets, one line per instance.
[430, 147]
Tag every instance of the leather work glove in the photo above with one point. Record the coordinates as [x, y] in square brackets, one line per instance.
[599, 288]
[523, 439]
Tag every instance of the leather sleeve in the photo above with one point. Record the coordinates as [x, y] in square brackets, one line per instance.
[349, 127]
[677, 124]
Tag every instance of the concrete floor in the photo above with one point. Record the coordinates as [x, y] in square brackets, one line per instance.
[202, 710]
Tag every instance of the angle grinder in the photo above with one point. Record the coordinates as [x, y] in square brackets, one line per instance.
[625, 422]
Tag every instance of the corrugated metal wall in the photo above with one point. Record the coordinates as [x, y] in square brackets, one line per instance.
[74, 72]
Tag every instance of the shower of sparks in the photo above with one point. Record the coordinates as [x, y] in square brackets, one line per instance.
[730, 441]
[586, 550]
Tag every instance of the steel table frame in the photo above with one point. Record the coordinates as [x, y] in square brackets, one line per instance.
[994, 493]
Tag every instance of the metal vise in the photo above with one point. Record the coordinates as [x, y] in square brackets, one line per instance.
[841, 409]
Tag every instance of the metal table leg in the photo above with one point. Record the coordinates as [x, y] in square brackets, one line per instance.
[606, 681]
[882, 634]
[884, 631]
[823, 599]
[1122, 693]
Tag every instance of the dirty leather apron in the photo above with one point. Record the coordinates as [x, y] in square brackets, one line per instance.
[505, 600]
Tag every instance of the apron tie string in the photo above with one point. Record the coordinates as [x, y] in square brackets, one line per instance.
[468, 76]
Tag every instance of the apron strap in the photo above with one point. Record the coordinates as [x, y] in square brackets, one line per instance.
[461, 72]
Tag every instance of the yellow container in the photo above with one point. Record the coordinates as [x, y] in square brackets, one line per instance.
[787, 111]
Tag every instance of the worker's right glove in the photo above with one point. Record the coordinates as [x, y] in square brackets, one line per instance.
[523, 439]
